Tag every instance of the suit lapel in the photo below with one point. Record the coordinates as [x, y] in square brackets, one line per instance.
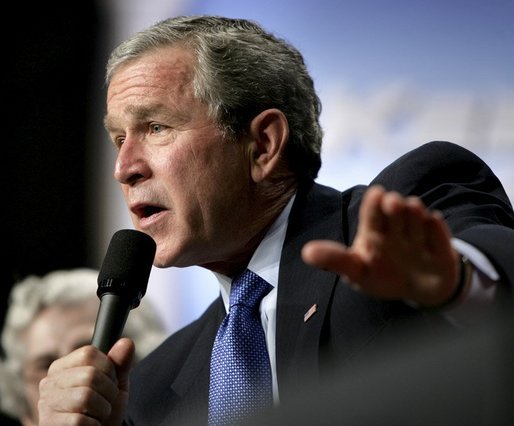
[316, 213]
[189, 390]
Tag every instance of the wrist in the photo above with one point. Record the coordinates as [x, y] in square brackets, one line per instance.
[461, 289]
[463, 284]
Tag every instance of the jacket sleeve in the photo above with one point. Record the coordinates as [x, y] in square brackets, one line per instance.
[455, 181]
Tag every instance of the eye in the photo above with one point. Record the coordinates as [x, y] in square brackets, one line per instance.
[118, 142]
[156, 128]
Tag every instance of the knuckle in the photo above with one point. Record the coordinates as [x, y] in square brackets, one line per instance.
[89, 376]
[87, 354]
[80, 397]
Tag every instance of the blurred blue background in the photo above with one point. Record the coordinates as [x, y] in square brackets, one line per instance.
[391, 75]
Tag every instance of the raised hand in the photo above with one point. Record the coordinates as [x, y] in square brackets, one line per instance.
[401, 250]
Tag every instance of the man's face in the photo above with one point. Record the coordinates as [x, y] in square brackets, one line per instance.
[185, 185]
[56, 331]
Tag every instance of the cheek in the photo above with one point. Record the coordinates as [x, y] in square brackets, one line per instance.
[190, 181]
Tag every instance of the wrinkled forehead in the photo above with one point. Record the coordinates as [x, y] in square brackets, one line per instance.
[164, 75]
[160, 60]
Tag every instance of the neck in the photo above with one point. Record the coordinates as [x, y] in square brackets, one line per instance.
[257, 227]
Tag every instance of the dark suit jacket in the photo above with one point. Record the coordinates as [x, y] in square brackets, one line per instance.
[170, 386]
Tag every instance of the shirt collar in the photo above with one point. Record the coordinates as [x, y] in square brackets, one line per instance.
[265, 261]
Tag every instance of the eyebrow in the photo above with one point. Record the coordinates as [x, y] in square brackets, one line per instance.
[138, 112]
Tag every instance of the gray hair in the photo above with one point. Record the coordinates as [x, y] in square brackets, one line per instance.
[241, 70]
[57, 288]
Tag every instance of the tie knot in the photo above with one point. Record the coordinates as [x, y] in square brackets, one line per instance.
[248, 289]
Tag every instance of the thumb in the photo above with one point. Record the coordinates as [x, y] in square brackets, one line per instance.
[122, 356]
[335, 257]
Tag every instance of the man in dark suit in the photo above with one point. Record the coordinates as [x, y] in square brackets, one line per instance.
[216, 123]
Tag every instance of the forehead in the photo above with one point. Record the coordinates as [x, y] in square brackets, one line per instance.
[59, 324]
[161, 76]
[163, 67]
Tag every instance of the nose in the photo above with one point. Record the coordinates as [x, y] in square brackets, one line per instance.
[131, 166]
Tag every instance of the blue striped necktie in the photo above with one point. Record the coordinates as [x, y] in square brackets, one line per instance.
[240, 383]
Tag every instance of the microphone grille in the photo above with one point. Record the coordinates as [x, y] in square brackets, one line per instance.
[127, 264]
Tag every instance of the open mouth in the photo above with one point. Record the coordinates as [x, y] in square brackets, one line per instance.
[144, 211]
[151, 210]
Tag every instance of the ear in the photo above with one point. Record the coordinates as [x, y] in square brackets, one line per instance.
[269, 133]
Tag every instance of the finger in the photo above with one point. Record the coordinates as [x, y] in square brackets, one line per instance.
[438, 234]
[393, 208]
[56, 398]
[371, 217]
[334, 257]
[416, 217]
[85, 356]
[87, 367]
[88, 377]
[65, 419]
[86, 401]
[122, 355]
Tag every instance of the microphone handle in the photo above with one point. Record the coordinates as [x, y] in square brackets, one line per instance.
[111, 318]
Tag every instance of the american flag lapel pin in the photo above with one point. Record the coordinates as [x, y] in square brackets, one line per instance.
[312, 310]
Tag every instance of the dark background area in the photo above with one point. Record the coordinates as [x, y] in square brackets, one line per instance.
[50, 82]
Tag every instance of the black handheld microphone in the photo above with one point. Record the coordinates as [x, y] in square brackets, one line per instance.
[122, 283]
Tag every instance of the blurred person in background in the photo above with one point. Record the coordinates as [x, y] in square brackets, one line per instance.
[47, 318]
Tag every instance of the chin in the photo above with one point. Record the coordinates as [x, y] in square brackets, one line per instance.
[161, 262]
[166, 257]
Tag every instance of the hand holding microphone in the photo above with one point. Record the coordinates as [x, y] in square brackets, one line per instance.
[87, 384]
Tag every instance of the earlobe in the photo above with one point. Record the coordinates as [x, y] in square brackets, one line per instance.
[269, 133]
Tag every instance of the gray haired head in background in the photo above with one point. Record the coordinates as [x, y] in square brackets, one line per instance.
[64, 288]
